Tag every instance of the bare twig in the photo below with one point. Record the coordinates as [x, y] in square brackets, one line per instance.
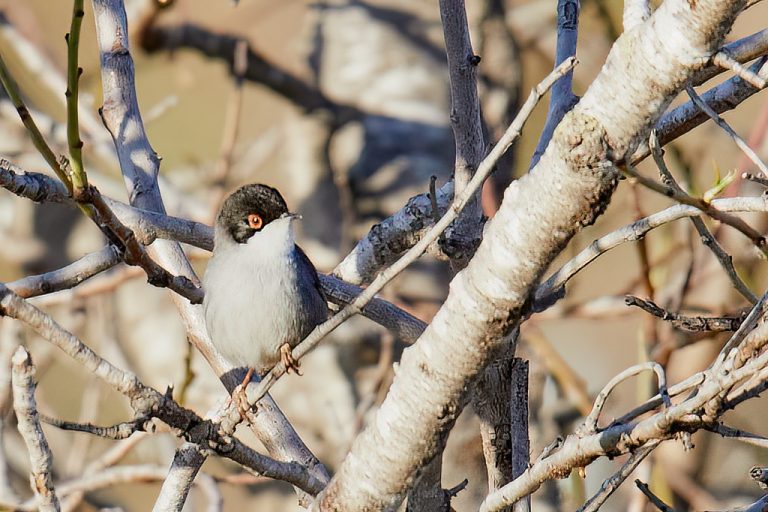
[757, 179]
[663, 507]
[69, 276]
[122, 430]
[739, 435]
[590, 423]
[741, 143]
[467, 128]
[687, 116]
[41, 460]
[79, 178]
[686, 323]
[725, 61]
[706, 237]
[610, 485]
[702, 204]
[553, 288]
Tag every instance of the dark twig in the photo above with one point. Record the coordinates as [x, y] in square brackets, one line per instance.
[653, 498]
[722, 98]
[706, 236]
[611, 484]
[562, 99]
[135, 253]
[118, 431]
[757, 179]
[687, 323]
[738, 435]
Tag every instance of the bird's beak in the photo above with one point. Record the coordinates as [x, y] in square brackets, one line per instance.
[291, 215]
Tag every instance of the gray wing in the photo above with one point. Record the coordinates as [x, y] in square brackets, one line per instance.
[308, 273]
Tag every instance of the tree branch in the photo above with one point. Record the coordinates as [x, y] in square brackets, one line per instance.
[579, 178]
[40, 457]
[562, 99]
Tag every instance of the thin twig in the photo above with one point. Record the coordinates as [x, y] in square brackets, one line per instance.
[725, 61]
[739, 435]
[706, 236]
[79, 178]
[705, 206]
[653, 498]
[686, 323]
[553, 288]
[754, 315]
[610, 485]
[34, 132]
[741, 143]
[590, 423]
[757, 179]
[122, 430]
[721, 98]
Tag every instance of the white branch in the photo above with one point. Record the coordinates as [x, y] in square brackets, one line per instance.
[40, 458]
[635, 13]
[539, 215]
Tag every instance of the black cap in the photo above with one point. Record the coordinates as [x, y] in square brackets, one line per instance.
[254, 199]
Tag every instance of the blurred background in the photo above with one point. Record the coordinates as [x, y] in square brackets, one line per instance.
[344, 105]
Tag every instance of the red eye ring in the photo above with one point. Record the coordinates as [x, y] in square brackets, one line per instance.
[255, 221]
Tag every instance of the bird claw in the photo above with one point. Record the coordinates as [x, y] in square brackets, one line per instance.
[240, 397]
[287, 359]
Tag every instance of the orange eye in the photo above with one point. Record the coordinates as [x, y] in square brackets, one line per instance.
[255, 221]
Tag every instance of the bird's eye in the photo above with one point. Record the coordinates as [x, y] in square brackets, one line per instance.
[255, 221]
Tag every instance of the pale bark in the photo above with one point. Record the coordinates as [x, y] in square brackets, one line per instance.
[635, 13]
[40, 457]
[539, 215]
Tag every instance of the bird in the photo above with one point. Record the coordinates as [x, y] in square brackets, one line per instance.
[262, 293]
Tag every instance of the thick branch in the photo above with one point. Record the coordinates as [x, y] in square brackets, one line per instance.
[579, 177]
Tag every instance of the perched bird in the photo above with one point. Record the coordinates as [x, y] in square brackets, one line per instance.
[262, 293]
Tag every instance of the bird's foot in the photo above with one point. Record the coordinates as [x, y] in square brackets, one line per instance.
[290, 363]
[240, 397]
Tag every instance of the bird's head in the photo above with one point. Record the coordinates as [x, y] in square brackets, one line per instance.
[255, 213]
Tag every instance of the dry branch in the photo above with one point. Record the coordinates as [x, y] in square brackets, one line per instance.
[40, 457]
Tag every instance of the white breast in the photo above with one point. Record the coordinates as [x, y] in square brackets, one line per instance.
[249, 294]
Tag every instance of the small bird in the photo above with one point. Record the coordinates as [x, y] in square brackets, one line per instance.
[262, 293]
